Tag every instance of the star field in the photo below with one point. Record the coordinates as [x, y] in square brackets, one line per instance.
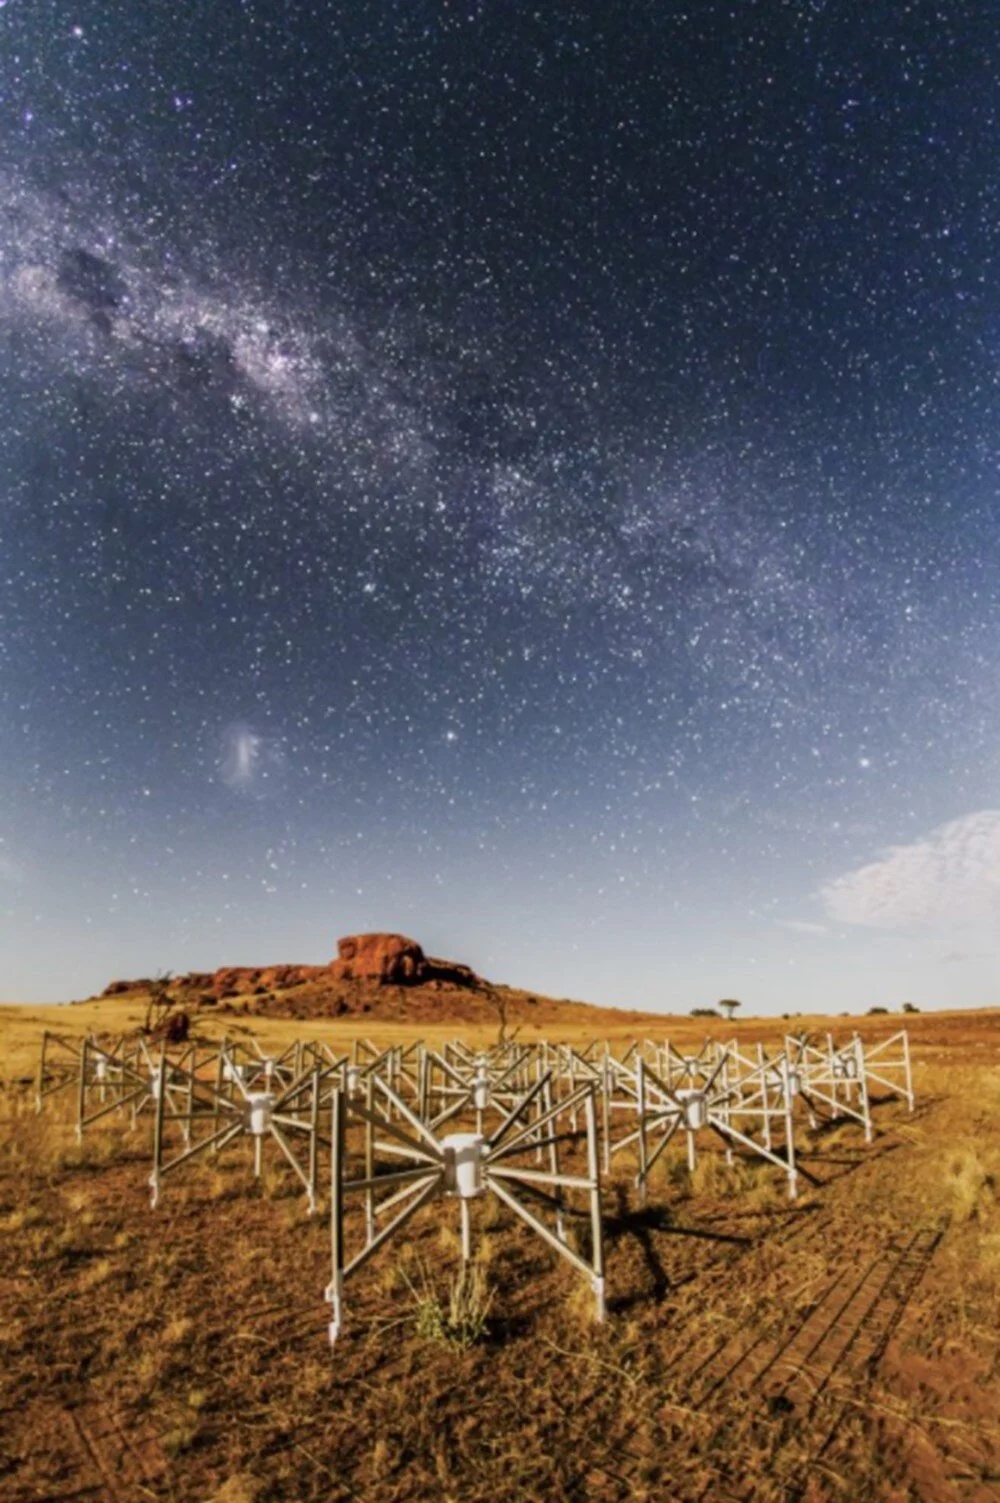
[523, 477]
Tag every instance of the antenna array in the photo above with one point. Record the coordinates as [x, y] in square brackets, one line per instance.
[534, 1127]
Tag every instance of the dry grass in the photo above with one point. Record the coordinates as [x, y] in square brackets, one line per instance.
[834, 1349]
[457, 1318]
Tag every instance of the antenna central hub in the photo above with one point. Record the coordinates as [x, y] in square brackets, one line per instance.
[695, 1108]
[463, 1164]
[481, 1089]
[259, 1111]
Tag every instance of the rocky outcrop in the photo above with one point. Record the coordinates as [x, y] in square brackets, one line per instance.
[364, 964]
[232, 980]
[228, 981]
[453, 972]
[121, 988]
[375, 979]
[394, 960]
[389, 959]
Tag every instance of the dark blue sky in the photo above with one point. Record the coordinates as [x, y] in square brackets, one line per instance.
[524, 478]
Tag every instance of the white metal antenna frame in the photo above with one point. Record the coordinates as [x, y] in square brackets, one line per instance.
[764, 1088]
[287, 1117]
[316, 1054]
[369, 1061]
[407, 1066]
[893, 1073]
[61, 1064]
[689, 1071]
[95, 1068]
[834, 1078]
[485, 1085]
[128, 1077]
[664, 1111]
[463, 1166]
[576, 1067]
[252, 1068]
[619, 1093]
[472, 1097]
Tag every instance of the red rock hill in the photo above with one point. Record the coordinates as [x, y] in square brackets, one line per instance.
[386, 977]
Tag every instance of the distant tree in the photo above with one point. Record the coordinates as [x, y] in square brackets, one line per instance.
[910, 1007]
[877, 1011]
[164, 1017]
[728, 1006]
[703, 1012]
[499, 1000]
[160, 1002]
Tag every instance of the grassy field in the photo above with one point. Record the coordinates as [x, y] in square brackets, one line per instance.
[844, 1346]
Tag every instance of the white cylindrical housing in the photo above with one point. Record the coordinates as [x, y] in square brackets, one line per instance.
[794, 1083]
[156, 1083]
[259, 1108]
[354, 1074]
[463, 1164]
[100, 1068]
[695, 1108]
[481, 1089]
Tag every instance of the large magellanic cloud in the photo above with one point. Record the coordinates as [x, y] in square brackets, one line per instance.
[950, 876]
[248, 761]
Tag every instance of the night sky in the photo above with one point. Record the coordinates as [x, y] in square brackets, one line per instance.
[525, 476]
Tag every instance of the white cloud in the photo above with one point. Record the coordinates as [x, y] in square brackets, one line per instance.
[950, 876]
[802, 926]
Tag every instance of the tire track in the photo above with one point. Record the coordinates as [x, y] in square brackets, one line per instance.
[833, 1353]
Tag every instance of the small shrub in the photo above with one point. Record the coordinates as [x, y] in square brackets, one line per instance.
[240, 1488]
[460, 1322]
[96, 1273]
[969, 1183]
[177, 1331]
[180, 1437]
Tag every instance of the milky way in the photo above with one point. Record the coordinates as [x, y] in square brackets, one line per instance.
[526, 480]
